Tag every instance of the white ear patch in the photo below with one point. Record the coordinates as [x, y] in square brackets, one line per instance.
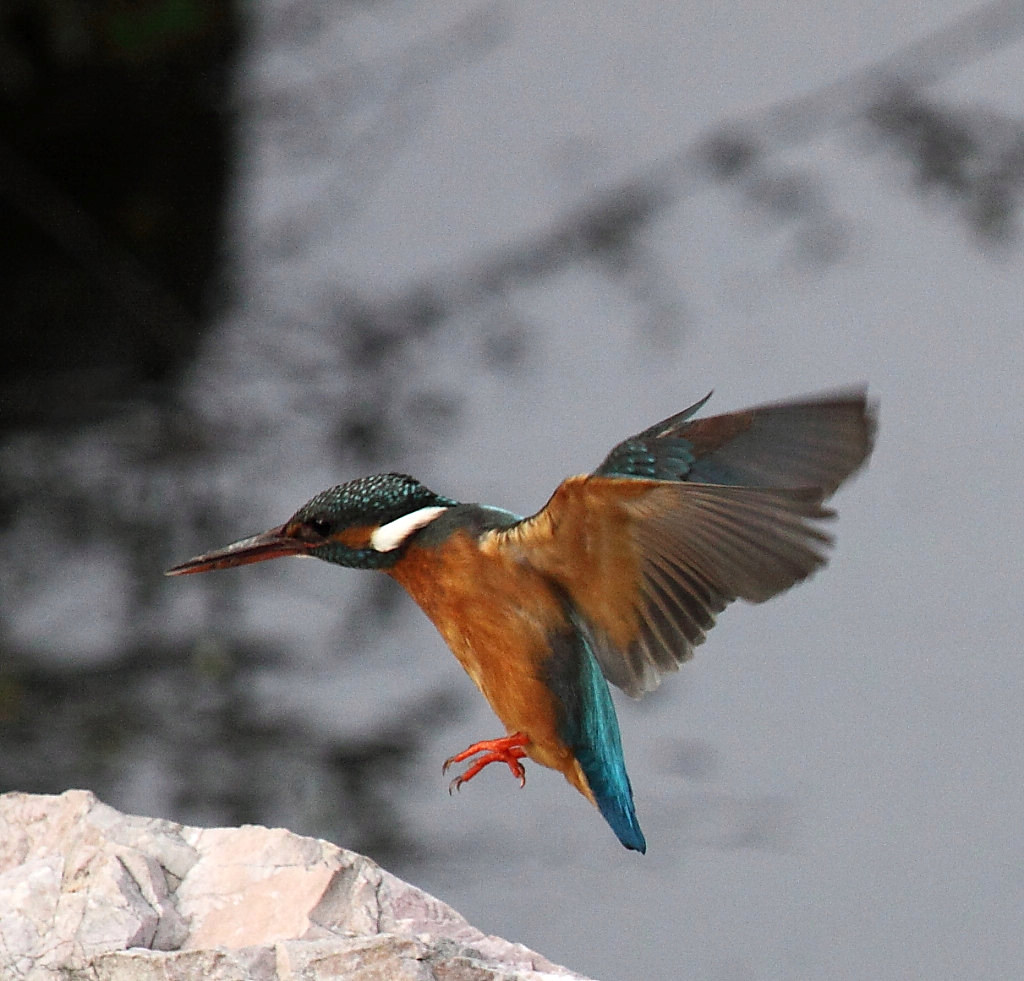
[388, 537]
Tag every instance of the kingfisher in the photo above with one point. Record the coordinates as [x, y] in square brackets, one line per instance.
[615, 580]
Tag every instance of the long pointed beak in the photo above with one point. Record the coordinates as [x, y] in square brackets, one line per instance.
[270, 545]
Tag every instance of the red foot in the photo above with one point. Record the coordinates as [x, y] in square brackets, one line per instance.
[508, 750]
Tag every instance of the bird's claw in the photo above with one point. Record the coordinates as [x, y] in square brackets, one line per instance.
[508, 750]
[454, 785]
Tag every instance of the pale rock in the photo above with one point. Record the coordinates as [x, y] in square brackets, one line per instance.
[90, 894]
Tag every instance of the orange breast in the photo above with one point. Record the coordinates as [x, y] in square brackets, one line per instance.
[496, 615]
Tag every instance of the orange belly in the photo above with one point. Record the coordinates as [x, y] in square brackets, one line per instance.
[497, 616]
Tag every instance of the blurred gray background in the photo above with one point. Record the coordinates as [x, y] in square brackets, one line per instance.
[254, 250]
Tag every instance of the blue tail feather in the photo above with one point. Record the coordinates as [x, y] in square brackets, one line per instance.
[589, 726]
[600, 756]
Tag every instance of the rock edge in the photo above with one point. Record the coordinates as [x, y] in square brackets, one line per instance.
[90, 894]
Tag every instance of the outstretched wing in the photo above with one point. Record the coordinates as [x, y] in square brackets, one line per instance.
[687, 516]
[814, 442]
[649, 563]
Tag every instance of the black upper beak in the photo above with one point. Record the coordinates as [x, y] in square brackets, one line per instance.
[270, 545]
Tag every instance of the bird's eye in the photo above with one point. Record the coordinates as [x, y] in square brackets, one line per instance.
[321, 526]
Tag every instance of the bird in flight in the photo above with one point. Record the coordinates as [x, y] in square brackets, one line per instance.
[616, 579]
